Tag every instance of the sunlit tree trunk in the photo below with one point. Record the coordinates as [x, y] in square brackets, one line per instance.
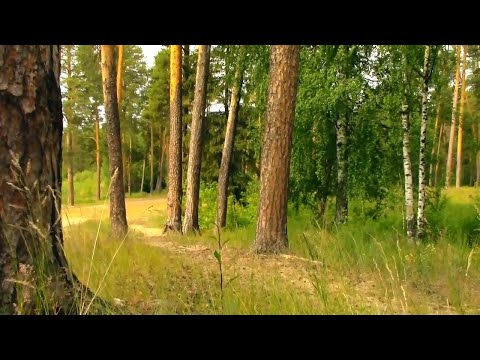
[119, 101]
[118, 216]
[271, 234]
[439, 146]
[174, 201]
[130, 166]
[458, 178]
[454, 123]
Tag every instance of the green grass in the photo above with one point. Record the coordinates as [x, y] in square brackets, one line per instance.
[365, 267]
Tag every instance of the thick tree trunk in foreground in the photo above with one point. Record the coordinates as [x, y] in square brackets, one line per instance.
[31, 241]
[118, 216]
[224, 173]
[454, 123]
[190, 221]
[458, 178]
[174, 201]
[422, 181]
[271, 234]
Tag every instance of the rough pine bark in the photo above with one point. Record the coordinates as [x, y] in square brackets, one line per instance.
[118, 216]
[224, 173]
[190, 221]
[271, 233]
[458, 178]
[119, 102]
[174, 201]
[454, 123]
[422, 181]
[31, 126]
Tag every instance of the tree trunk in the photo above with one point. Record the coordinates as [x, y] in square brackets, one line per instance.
[118, 216]
[437, 121]
[31, 241]
[407, 163]
[458, 178]
[271, 234]
[190, 222]
[342, 170]
[342, 154]
[119, 102]
[437, 165]
[69, 113]
[71, 192]
[454, 121]
[174, 201]
[119, 77]
[163, 145]
[130, 167]
[97, 152]
[143, 176]
[324, 190]
[478, 168]
[422, 181]
[186, 93]
[224, 173]
[471, 180]
[152, 148]
[407, 168]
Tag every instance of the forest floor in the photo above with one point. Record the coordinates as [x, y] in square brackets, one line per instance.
[154, 273]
